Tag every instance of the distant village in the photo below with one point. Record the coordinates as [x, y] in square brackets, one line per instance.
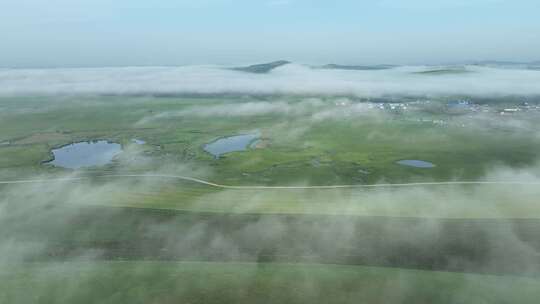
[451, 108]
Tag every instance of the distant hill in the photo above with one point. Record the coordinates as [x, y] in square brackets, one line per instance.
[495, 62]
[533, 65]
[262, 68]
[357, 67]
[445, 71]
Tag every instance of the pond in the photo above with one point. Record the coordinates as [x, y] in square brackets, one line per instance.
[231, 144]
[138, 141]
[85, 154]
[416, 163]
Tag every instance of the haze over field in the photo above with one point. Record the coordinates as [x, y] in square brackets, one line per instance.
[269, 151]
[63, 230]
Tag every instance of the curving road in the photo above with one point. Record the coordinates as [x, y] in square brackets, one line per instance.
[200, 181]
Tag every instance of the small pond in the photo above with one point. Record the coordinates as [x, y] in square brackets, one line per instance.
[416, 163]
[85, 154]
[138, 141]
[231, 144]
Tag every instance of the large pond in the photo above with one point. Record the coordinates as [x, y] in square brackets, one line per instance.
[416, 163]
[85, 154]
[231, 144]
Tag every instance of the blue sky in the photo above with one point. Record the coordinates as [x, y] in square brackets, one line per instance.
[39, 33]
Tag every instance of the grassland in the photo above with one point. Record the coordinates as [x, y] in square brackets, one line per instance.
[166, 282]
[310, 143]
[302, 148]
[163, 240]
[460, 201]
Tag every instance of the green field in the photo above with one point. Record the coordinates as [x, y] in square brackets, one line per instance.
[153, 282]
[319, 145]
[109, 239]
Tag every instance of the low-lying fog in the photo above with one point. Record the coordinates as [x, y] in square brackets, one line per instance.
[36, 216]
[287, 79]
[469, 228]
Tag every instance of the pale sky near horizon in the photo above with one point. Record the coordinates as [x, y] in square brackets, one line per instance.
[66, 33]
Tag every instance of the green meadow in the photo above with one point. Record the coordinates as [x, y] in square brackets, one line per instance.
[321, 144]
[105, 237]
[153, 282]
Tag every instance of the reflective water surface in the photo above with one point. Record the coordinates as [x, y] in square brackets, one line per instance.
[85, 154]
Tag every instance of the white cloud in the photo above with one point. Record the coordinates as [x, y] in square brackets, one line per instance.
[290, 79]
